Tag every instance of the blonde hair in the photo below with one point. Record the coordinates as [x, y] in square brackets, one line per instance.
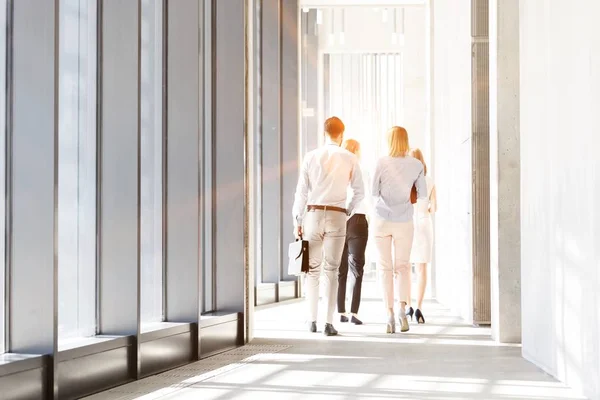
[353, 146]
[398, 142]
[416, 153]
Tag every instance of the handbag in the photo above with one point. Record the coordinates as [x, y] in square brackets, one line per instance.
[413, 194]
[298, 257]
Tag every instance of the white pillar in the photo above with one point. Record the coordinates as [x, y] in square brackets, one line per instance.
[505, 229]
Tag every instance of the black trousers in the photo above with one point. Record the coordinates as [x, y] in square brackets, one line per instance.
[353, 259]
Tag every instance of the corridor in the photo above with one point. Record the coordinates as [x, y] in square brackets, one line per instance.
[150, 155]
[443, 359]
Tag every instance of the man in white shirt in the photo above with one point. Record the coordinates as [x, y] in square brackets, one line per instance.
[320, 214]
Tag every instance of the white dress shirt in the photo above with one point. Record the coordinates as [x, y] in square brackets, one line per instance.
[324, 178]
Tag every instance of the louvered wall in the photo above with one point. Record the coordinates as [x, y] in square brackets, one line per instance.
[481, 162]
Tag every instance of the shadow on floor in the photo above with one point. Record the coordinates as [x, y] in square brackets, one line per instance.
[443, 359]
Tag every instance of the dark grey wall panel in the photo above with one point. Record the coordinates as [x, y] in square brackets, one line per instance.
[271, 139]
[290, 124]
[229, 171]
[33, 180]
[26, 385]
[183, 132]
[86, 375]
[119, 176]
[167, 353]
[221, 337]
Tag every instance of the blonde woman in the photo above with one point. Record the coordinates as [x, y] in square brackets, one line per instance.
[392, 225]
[353, 257]
[422, 247]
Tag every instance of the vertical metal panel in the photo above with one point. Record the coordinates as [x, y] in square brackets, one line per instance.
[229, 170]
[251, 212]
[481, 163]
[183, 119]
[290, 122]
[3, 169]
[207, 193]
[271, 139]
[33, 177]
[33, 182]
[257, 145]
[119, 166]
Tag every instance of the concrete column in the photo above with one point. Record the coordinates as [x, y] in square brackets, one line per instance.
[480, 161]
[505, 230]
[430, 126]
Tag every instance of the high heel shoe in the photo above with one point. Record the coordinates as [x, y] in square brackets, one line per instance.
[390, 327]
[410, 313]
[403, 321]
[419, 316]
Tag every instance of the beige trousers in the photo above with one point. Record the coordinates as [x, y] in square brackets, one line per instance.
[393, 241]
[326, 235]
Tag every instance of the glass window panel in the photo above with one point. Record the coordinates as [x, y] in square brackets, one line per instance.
[2, 172]
[77, 170]
[152, 162]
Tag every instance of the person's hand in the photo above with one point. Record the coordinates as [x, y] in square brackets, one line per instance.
[298, 231]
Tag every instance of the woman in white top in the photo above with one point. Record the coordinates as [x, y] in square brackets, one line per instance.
[353, 258]
[392, 226]
[422, 246]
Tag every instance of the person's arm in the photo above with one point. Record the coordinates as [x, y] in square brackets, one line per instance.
[301, 197]
[358, 188]
[421, 185]
[433, 201]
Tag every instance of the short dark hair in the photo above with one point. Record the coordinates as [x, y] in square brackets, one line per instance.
[334, 127]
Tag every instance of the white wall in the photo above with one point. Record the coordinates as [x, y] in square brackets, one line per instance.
[560, 189]
[451, 139]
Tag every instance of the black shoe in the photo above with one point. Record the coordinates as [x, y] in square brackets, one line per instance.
[343, 318]
[419, 316]
[409, 313]
[329, 330]
[312, 326]
[355, 321]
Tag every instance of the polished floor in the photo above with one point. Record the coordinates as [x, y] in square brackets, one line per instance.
[443, 359]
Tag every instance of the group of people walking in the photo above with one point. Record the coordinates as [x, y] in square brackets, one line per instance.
[337, 216]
